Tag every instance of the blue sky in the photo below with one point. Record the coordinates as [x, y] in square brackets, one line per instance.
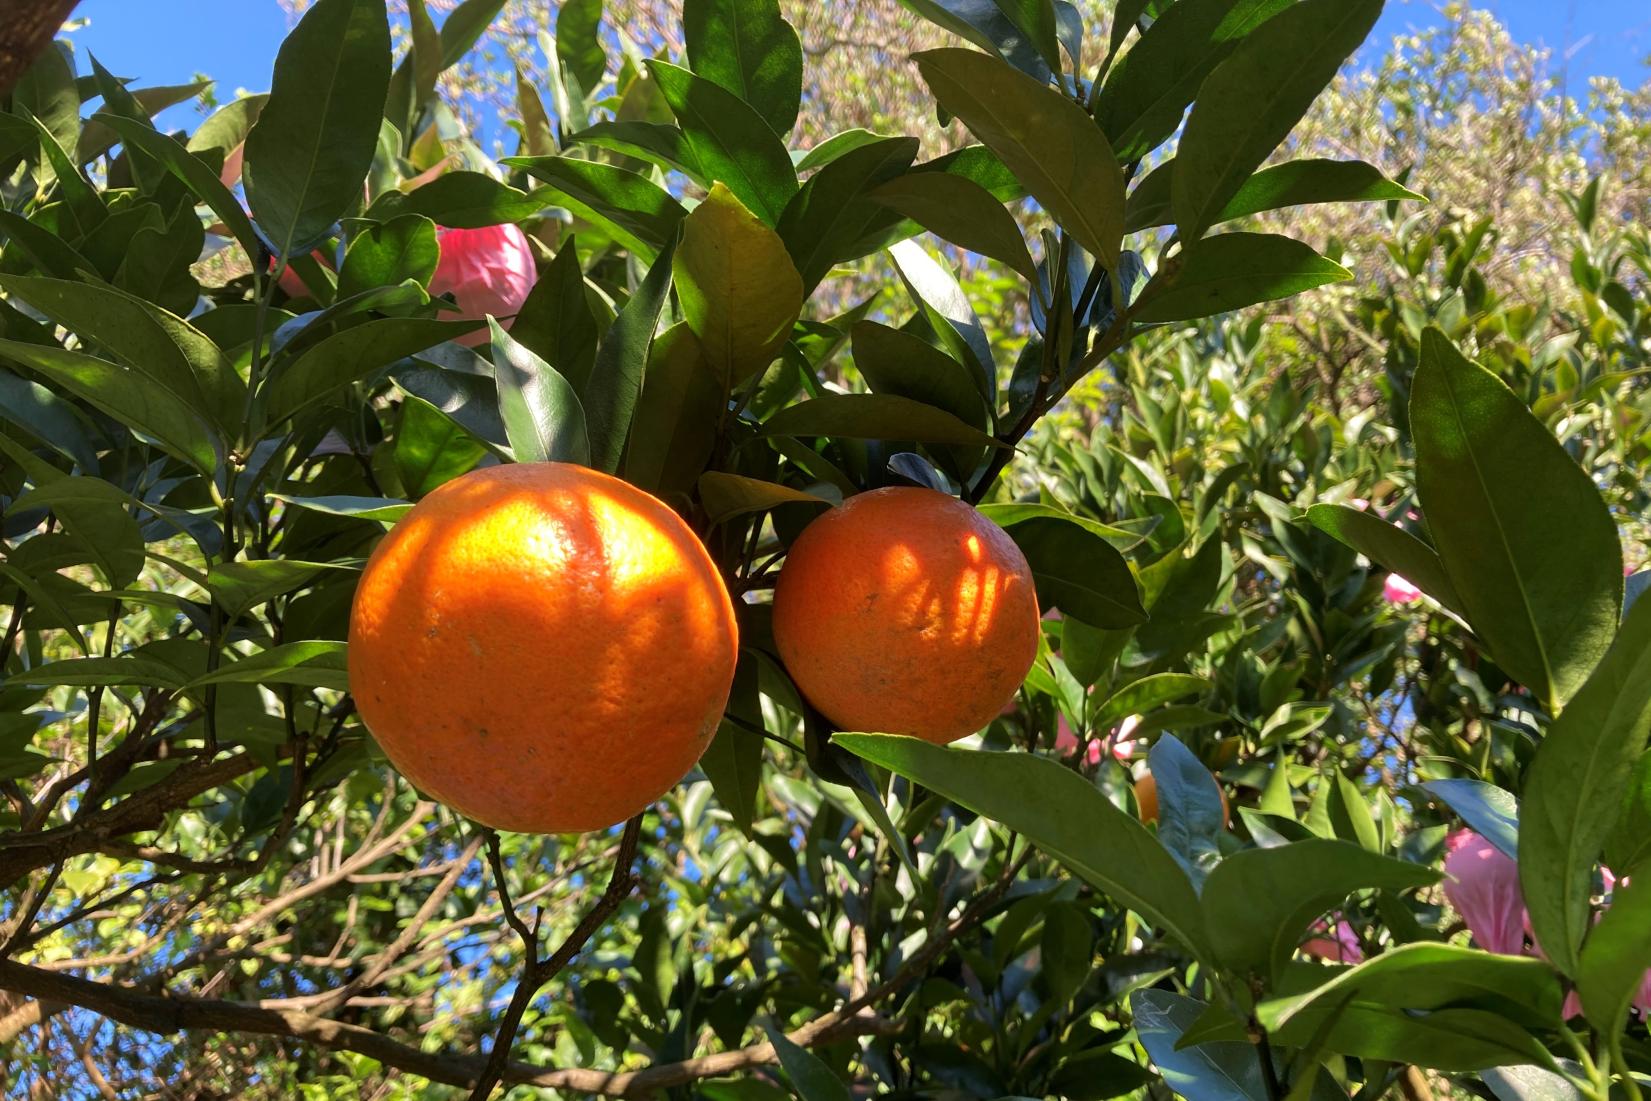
[234, 41]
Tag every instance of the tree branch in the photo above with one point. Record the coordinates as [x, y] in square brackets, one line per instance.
[26, 29]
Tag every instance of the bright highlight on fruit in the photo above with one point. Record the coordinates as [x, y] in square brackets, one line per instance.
[542, 647]
[905, 611]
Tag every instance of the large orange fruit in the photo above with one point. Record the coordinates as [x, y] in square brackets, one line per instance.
[542, 647]
[905, 611]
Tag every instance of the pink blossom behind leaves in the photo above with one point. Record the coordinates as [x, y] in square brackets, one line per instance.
[1397, 590]
[1482, 883]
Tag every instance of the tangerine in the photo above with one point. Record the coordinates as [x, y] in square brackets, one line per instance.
[906, 611]
[542, 647]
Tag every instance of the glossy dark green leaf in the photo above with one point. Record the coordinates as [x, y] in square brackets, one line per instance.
[958, 210]
[1434, 976]
[1254, 98]
[730, 141]
[733, 760]
[894, 361]
[127, 396]
[987, 25]
[1617, 956]
[467, 200]
[53, 420]
[676, 416]
[312, 664]
[1628, 845]
[433, 446]
[809, 1075]
[541, 412]
[1201, 1072]
[1233, 270]
[1388, 546]
[728, 495]
[308, 153]
[657, 143]
[470, 401]
[46, 250]
[639, 213]
[609, 398]
[747, 47]
[1488, 810]
[556, 322]
[1293, 183]
[46, 90]
[740, 292]
[128, 669]
[1077, 571]
[1524, 535]
[383, 255]
[1258, 902]
[1148, 89]
[83, 207]
[1046, 139]
[465, 25]
[385, 509]
[242, 586]
[579, 42]
[1191, 809]
[1061, 813]
[874, 417]
[99, 515]
[827, 219]
[836, 146]
[351, 356]
[1576, 786]
[938, 294]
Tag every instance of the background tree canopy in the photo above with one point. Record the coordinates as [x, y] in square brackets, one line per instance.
[1313, 393]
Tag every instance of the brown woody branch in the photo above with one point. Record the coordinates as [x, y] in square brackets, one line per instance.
[26, 29]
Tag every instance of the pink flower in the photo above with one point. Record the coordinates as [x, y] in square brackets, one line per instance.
[1359, 503]
[1123, 747]
[488, 271]
[1483, 885]
[1342, 947]
[1399, 591]
[1066, 741]
[289, 280]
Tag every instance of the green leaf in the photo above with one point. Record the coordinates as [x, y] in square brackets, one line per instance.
[609, 398]
[1524, 535]
[1078, 571]
[556, 322]
[311, 664]
[1576, 786]
[385, 509]
[1149, 88]
[464, 25]
[541, 413]
[131, 669]
[1390, 547]
[733, 760]
[1618, 953]
[988, 25]
[1192, 812]
[739, 291]
[242, 586]
[1139, 697]
[1258, 902]
[1533, 1083]
[836, 146]
[874, 417]
[384, 255]
[125, 395]
[1629, 843]
[747, 47]
[638, 213]
[947, 310]
[1061, 813]
[470, 401]
[48, 252]
[82, 206]
[1254, 98]
[894, 361]
[729, 139]
[676, 417]
[1198, 1072]
[47, 91]
[1488, 810]
[467, 200]
[658, 143]
[827, 220]
[809, 1075]
[97, 513]
[1046, 139]
[202, 181]
[227, 127]
[351, 356]
[579, 42]
[51, 419]
[161, 346]
[1293, 183]
[729, 495]
[1434, 976]
[958, 210]
[432, 445]
[1233, 270]
[310, 150]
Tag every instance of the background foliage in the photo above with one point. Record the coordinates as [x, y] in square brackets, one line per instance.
[233, 893]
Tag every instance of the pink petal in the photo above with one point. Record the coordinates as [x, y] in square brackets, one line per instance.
[1399, 591]
[1343, 948]
[488, 271]
[1483, 886]
[1066, 742]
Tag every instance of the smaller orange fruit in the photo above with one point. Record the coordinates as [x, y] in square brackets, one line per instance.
[906, 611]
[1146, 799]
